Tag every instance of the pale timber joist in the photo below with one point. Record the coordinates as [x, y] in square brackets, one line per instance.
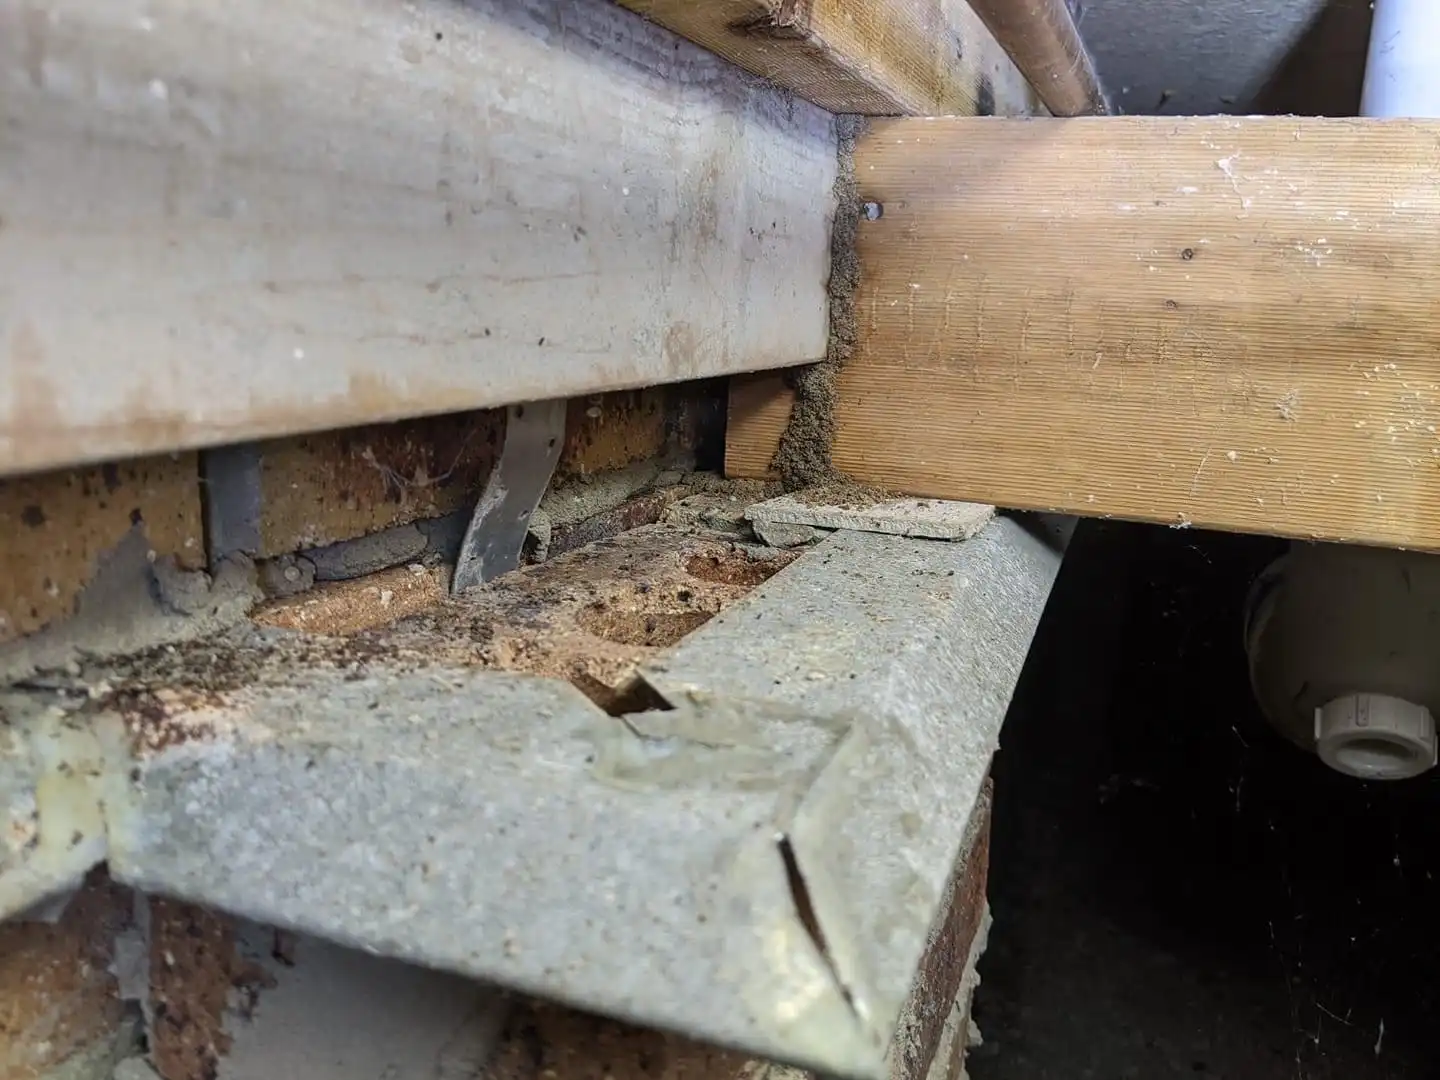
[219, 223]
[1218, 322]
[216, 227]
[879, 58]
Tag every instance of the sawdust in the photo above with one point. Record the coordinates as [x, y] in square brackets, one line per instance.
[594, 615]
[842, 492]
[731, 567]
[740, 490]
[590, 617]
[804, 458]
[648, 630]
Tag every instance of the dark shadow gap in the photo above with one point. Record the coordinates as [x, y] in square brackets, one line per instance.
[1176, 889]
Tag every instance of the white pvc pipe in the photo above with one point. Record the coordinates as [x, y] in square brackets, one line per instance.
[1372, 736]
[1402, 73]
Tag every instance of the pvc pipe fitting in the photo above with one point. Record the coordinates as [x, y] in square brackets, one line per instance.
[1351, 600]
[1402, 71]
[1375, 737]
[1342, 644]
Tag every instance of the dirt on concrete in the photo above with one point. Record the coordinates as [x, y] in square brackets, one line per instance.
[591, 617]
[594, 615]
[739, 489]
[842, 492]
[136, 601]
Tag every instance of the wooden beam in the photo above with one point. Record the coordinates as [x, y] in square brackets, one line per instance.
[878, 58]
[221, 223]
[1208, 321]
[1044, 42]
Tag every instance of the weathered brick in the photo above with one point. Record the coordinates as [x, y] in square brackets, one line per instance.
[58, 998]
[948, 954]
[195, 969]
[56, 527]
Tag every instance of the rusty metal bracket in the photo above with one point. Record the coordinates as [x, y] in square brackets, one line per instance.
[495, 537]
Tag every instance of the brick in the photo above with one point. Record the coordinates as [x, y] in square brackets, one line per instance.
[333, 486]
[55, 527]
[336, 485]
[561, 1044]
[194, 970]
[58, 1000]
[948, 954]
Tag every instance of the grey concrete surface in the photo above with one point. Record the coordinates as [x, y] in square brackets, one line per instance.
[1182, 57]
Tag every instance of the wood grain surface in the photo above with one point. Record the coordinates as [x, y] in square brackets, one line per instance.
[220, 224]
[1218, 322]
[879, 58]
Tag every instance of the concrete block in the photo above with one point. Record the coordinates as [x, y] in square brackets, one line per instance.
[780, 534]
[319, 782]
[935, 519]
[716, 510]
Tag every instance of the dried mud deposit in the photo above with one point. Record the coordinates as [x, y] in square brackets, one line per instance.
[803, 460]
